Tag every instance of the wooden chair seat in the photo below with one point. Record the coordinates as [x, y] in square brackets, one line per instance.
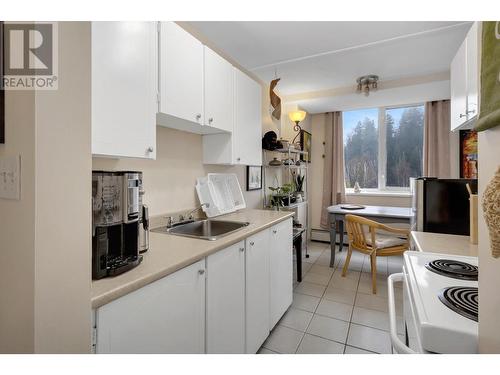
[365, 237]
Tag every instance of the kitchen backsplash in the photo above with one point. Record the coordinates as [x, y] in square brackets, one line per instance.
[169, 181]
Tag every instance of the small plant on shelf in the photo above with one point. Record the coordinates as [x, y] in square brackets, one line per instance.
[281, 195]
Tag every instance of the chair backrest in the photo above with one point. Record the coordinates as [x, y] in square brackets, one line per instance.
[357, 232]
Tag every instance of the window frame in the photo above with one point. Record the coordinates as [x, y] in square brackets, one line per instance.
[383, 189]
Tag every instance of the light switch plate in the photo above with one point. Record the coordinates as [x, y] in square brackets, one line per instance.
[10, 177]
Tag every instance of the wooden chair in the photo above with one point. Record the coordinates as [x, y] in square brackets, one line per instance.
[364, 236]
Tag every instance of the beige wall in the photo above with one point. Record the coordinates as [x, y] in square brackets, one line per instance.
[17, 229]
[169, 181]
[489, 275]
[63, 174]
[45, 251]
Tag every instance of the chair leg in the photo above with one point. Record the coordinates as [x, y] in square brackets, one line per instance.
[347, 260]
[373, 261]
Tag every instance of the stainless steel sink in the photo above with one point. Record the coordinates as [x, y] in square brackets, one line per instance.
[210, 230]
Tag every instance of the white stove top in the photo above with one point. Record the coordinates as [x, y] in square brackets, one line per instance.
[440, 329]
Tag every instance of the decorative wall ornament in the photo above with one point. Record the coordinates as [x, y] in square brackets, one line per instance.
[275, 100]
[491, 209]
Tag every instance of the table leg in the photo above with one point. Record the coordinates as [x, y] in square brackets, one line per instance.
[341, 235]
[298, 255]
[333, 236]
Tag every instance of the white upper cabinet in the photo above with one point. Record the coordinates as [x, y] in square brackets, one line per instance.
[181, 77]
[458, 87]
[464, 81]
[244, 145]
[472, 72]
[247, 146]
[196, 84]
[124, 89]
[218, 91]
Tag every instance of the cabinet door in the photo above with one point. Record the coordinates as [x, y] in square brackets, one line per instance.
[281, 270]
[124, 89]
[247, 144]
[458, 88]
[166, 316]
[472, 72]
[226, 300]
[257, 290]
[181, 73]
[218, 91]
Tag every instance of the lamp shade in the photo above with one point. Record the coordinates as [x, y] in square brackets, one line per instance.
[297, 116]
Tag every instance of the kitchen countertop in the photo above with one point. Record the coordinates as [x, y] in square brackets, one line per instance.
[169, 253]
[443, 243]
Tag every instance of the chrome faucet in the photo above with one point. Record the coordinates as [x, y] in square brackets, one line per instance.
[186, 218]
[189, 215]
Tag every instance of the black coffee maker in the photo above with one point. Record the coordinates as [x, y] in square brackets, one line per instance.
[116, 210]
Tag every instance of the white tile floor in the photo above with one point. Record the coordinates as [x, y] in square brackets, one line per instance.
[335, 314]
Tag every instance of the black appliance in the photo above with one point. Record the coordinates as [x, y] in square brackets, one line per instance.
[116, 209]
[441, 205]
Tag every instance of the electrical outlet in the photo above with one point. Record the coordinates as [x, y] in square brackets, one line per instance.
[10, 177]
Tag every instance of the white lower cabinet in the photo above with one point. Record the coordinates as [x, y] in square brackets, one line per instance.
[225, 303]
[166, 316]
[226, 300]
[281, 270]
[257, 290]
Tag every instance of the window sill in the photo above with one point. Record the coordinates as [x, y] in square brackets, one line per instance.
[378, 193]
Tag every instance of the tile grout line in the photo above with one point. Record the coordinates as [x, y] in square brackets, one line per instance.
[320, 299]
[312, 317]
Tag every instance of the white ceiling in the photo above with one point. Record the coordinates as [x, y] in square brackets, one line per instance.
[312, 56]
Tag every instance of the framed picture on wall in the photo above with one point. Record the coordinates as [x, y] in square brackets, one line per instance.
[254, 177]
[2, 91]
[468, 154]
[305, 143]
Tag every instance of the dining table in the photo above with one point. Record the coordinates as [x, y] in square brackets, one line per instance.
[382, 214]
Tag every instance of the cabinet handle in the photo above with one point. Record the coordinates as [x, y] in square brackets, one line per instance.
[198, 117]
[238, 159]
[252, 243]
[242, 249]
[150, 149]
[462, 115]
[201, 272]
[275, 231]
[210, 120]
[471, 111]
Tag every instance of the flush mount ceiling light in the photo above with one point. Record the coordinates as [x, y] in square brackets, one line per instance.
[367, 83]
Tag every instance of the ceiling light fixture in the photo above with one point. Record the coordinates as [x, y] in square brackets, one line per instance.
[367, 83]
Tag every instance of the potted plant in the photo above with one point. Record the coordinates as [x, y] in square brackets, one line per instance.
[281, 195]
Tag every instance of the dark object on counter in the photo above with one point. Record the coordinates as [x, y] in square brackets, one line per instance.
[270, 141]
[441, 205]
[116, 208]
[144, 230]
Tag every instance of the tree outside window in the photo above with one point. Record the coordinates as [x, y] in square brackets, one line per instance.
[383, 147]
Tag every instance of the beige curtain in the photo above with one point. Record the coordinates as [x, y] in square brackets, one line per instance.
[437, 139]
[333, 173]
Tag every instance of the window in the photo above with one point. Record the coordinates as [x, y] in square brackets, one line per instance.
[383, 147]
